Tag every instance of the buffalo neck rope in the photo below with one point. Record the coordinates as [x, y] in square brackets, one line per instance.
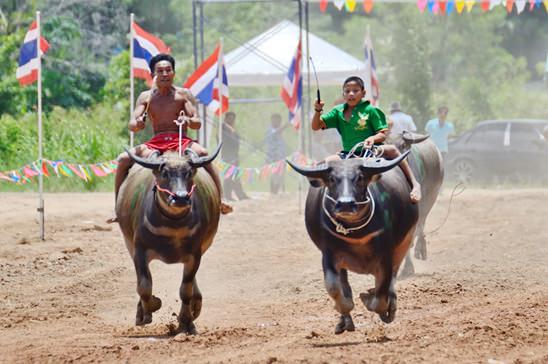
[339, 228]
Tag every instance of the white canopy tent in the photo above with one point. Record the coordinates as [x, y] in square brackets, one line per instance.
[265, 59]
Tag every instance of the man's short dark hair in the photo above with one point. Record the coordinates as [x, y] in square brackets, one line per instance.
[356, 79]
[443, 108]
[161, 57]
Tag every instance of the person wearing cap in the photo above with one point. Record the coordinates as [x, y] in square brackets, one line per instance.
[400, 121]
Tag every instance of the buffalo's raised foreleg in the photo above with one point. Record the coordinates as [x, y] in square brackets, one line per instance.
[191, 298]
[382, 299]
[147, 303]
[338, 288]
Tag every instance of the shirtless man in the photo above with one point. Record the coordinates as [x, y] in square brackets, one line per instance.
[164, 105]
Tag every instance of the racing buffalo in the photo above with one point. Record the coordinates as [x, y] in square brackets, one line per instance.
[168, 209]
[359, 214]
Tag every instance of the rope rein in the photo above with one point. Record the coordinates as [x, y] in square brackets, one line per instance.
[157, 186]
[338, 226]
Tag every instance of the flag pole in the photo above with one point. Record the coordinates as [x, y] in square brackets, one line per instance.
[131, 81]
[41, 175]
[368, 70]
[220, 92]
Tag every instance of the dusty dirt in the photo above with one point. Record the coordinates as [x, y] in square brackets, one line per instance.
[482, 296]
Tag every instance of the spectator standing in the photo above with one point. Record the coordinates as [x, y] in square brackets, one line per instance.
[230, 153]
[440, 130]
[276, 151]
[400, 121]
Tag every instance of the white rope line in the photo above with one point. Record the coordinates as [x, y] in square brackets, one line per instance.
[338, 226]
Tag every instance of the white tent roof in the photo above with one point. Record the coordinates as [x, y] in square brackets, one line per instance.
[265, 59]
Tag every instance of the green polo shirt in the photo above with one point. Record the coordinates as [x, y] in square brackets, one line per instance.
[366, 120]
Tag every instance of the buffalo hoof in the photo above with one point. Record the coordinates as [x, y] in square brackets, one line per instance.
[142, 318]
[389, 316]
[345, 324]
[187, 328]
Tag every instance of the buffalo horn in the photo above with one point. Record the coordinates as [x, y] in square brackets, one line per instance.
[147, 163]
[380, 165]
[202, 161]
[414, 138]
[316, 172]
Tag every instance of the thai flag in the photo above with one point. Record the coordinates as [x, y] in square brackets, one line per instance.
[292, 89]
[145, 46]
[27, 70]
[372, 82]
[204, 82]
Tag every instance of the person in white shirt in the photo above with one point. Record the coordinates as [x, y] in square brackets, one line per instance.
[400, 121]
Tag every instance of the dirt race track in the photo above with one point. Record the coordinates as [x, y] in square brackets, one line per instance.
[482, 297]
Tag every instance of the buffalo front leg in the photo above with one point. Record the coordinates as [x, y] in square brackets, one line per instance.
[147, 303]
[382, 299]
[338, 288]
[191, 298]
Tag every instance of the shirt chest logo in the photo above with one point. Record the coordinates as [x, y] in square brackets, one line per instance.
[362, 122]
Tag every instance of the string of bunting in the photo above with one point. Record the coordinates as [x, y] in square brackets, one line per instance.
[87, 172]
[442, 7]
[251, 174]
[59, 168]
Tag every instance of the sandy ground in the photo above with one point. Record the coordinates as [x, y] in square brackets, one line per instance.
[482, 297]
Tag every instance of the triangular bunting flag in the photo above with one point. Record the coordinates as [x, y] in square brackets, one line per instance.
[368, 5]
[520, 5]
[323, 5]
[509, 5]
[442, 6]
[469, 5]
[339, 4]
[450, 6]
[421, 4]
[460, 6]
[350, 5]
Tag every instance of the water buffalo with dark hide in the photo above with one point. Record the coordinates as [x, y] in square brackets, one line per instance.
[169, 210]
[426, 162]
[359, 214]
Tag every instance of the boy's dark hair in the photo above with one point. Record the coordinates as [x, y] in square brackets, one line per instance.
[356, 79]
[160, 57]
[442, 109]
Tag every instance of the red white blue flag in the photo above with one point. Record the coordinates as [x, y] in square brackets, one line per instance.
[292, 88]
[371, 80]
[27, 69]
[145, 46]
[205, 83]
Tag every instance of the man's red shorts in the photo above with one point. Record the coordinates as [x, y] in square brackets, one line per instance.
[168, 141]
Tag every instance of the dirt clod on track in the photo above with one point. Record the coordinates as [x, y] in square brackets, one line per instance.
[482, 296]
